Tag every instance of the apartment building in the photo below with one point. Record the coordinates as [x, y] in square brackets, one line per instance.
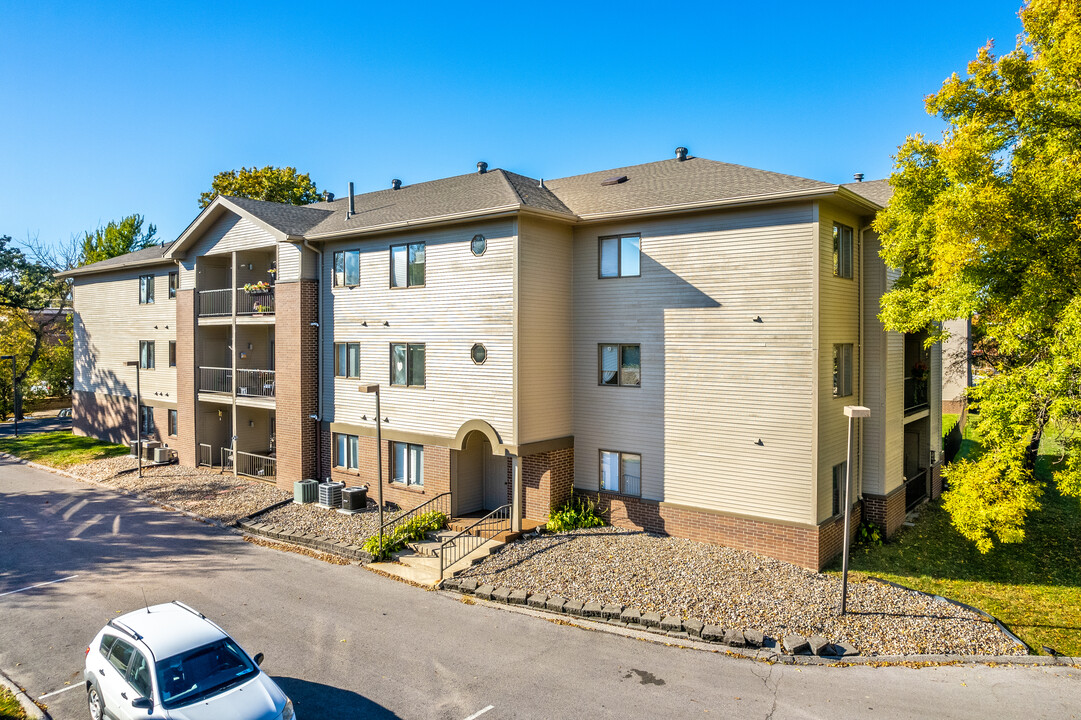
[676, 340]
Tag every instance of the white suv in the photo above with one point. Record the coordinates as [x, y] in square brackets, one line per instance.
[169, 662]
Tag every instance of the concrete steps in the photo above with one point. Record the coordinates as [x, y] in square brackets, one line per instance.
[419, 562]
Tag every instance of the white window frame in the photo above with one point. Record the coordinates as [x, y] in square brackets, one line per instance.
[350, 446]
[413, 472]
[622, 480]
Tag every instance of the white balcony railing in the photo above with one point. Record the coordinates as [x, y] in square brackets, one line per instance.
[255, 383]
[260, 467]
[216, 380]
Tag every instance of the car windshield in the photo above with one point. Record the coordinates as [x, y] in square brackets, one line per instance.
[197, 674]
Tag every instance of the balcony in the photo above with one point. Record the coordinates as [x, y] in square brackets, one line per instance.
[251, 301]
[216, 380]
[916, 394]
[249, 383]
[216, 303]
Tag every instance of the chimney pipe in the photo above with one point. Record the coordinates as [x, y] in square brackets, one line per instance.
[395, 184]
[482, 167]
[681, 154]
[328, 196]
[352, 208]
[858, 177]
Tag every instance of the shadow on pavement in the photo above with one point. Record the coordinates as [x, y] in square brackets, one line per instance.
[315, 700]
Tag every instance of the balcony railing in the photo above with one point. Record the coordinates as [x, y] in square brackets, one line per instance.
[915, 394]
[215, 303]
[216, 380]
[255, 383]
[260, 467]
[258, 302]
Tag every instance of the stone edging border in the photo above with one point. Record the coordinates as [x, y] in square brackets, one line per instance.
[252, 526]
[990, 618]
[741, 644]
[29, 706]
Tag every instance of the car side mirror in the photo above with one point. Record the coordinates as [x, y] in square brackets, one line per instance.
[258, 658]
[142, 703]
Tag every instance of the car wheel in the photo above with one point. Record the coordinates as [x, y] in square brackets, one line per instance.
[93, 700]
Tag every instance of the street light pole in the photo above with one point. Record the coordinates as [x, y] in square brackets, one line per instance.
[14, 393]
[138, 420]
[374, 388]
[853, 412]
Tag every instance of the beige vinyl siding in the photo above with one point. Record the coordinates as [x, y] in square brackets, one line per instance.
[545, 302]
[883, 380]
[838, 324]
[230, 232]
[465, 300]
[296, 262]
[714, 381]
[110, 322]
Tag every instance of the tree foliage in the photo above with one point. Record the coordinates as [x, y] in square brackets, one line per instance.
[116, 238]
[986, 223]
[274, 184]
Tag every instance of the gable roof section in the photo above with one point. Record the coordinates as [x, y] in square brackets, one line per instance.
[153, 255]
[671, 184]
[877, 191]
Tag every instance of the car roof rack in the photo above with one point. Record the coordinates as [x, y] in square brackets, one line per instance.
[125, 629]
[189, 608]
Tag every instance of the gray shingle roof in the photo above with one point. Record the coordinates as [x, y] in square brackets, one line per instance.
[290, 219]
[671, 182]
[877, 191]
[146, 256]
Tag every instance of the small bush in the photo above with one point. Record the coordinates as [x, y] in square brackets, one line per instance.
[576, 514]
[868, 534]
[414, 529]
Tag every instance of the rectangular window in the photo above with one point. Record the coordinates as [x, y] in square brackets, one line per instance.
[621, 472]
[620, 365]
[839, 472]
[347, 268]
[407, 463]
[842, 370]
[407, 265]
[146, 289]
[172, 424]
[407, 365]
[146, 354]
[842, 250]
[347, 360]
[146, 420]
[174, 283]
[620, 256]
[346, 450]
[172, 353]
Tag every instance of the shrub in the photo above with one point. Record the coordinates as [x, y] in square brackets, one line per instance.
[868, 533]
[413, 529]
[575, 514]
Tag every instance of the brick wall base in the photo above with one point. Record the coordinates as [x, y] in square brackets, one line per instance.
[807, 546]
[436, 472]
[886, 511]
[547, 482]
[936, 481]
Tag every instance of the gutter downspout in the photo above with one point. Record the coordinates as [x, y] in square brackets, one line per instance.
[859, 430]
[318, 364]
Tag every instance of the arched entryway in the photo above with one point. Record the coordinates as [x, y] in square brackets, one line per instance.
[480, 481]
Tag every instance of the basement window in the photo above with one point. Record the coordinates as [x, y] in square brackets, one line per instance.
[407, 463]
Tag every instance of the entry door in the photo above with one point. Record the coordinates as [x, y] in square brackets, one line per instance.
[495, 484]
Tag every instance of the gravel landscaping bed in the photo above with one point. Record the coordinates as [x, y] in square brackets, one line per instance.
[311, 519]
[203, 491]
[737, 589]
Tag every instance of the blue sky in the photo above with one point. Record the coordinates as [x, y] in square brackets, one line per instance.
[112, 108]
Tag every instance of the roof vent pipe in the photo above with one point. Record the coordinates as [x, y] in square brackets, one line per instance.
[395, 184]
[858, 177]
[328, 196]
[352, 207]
[482, 167]
[681, 154]
[541, 184]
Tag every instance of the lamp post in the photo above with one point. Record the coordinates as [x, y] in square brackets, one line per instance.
[374, 388]
[14, 392]
[138, 420]
[853, 412]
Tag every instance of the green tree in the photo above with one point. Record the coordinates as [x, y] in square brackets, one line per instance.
[33, 301]
[986, 222]
[117, 238]
[280, 185]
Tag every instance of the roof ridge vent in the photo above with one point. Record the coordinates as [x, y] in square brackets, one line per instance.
[395, 184]
[614, 180]
[681, 153]
[482, 167]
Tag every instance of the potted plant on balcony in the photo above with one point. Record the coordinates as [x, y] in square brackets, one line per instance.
[260, 309]
[257, 287]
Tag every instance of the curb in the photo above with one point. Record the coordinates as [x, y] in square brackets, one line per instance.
[609, 620]
[29, 706]
[314, 542]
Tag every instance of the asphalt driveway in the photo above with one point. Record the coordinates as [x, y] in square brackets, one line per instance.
[346, 643]
[38, 424]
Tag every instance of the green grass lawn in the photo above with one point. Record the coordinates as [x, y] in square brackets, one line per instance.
[1033, 587]
[10, 709]
[60, 449]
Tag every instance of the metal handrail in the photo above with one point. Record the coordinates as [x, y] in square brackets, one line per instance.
[254, 383]
[389, 525]
[226, 453]
[206, 455]
[255, 302]
[467, 540]
[216, 302]
[215, 379]
[259, 467]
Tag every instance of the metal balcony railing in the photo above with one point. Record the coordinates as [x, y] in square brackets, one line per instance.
[255, 302]
[255, 383]
[215, 380]
[916, 397]
[215, 303]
